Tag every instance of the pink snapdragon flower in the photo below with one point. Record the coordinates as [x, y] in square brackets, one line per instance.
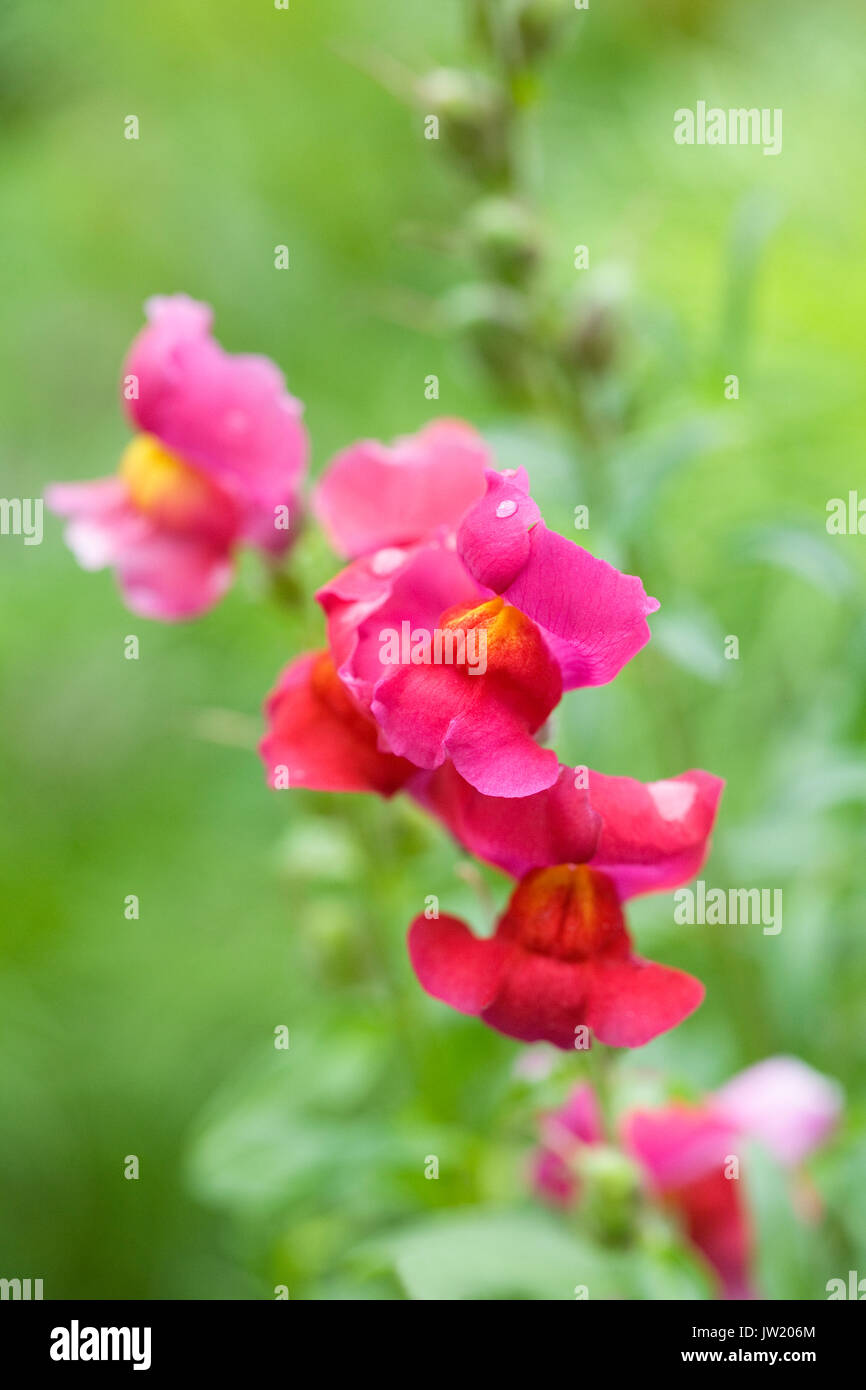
[465, 565]
[560, 961]
[685, 1152]
[218, 462]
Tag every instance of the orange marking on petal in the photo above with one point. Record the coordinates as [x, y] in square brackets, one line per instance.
[571, 912]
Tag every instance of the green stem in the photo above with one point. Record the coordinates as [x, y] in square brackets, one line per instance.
[601, 1064]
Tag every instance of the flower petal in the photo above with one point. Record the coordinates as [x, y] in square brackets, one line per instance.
[101, 520]
[380, 592]
[453, 965]
[541, 999]
[713, 1213]
[684, 1151]
[594, 615]
[654, 835]
[563, 1133]
[318, 734]
[173, 577]
[785, 1104]
[516, 833]
[372, 496]
[630, 1002]
[477, 700]
[677, 1143]
[228, 415]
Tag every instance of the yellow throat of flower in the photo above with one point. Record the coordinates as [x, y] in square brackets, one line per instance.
[169, 491]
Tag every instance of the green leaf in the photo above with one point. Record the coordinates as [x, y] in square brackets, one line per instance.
[692, 639]
[292, 1125]
[809, 554]
[788, 1261]
[644, 463]
[499, 1253]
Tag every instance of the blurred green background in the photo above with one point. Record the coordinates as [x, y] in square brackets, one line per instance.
[155, 1037]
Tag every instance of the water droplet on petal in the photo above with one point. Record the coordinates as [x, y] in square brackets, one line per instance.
[506, 508]
[387, 560]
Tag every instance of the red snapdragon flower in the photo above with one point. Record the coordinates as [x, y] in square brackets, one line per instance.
[560, 961]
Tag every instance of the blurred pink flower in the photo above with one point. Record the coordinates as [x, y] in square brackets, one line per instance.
[218, 462]
[784, 1104]
[685, 1152]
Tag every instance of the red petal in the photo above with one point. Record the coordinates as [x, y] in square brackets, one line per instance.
[453, 965]
[654, 835]
[540, 999]
[317, 732]
[632, 1001]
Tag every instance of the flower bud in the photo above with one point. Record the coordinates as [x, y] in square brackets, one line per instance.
[591, 341]
[610, 1187]
[505, 239]
[496, 321]
[538, 22]
[473, 115]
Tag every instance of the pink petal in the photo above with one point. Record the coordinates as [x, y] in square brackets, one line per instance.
[492, 750]
[556, 826]
[647, 837]
[785, 1104]
[381, 591]
[552, 1179]
[563, 1133]
[678, 1143]
[432, 713]
[316, 732]
[373, 496]
[101, 521]
[581, 1115]
[654, 835]
[684, 1151]
[494, 538]
[162, 574]
[171, 577]
[228, 415]
[594, 616]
